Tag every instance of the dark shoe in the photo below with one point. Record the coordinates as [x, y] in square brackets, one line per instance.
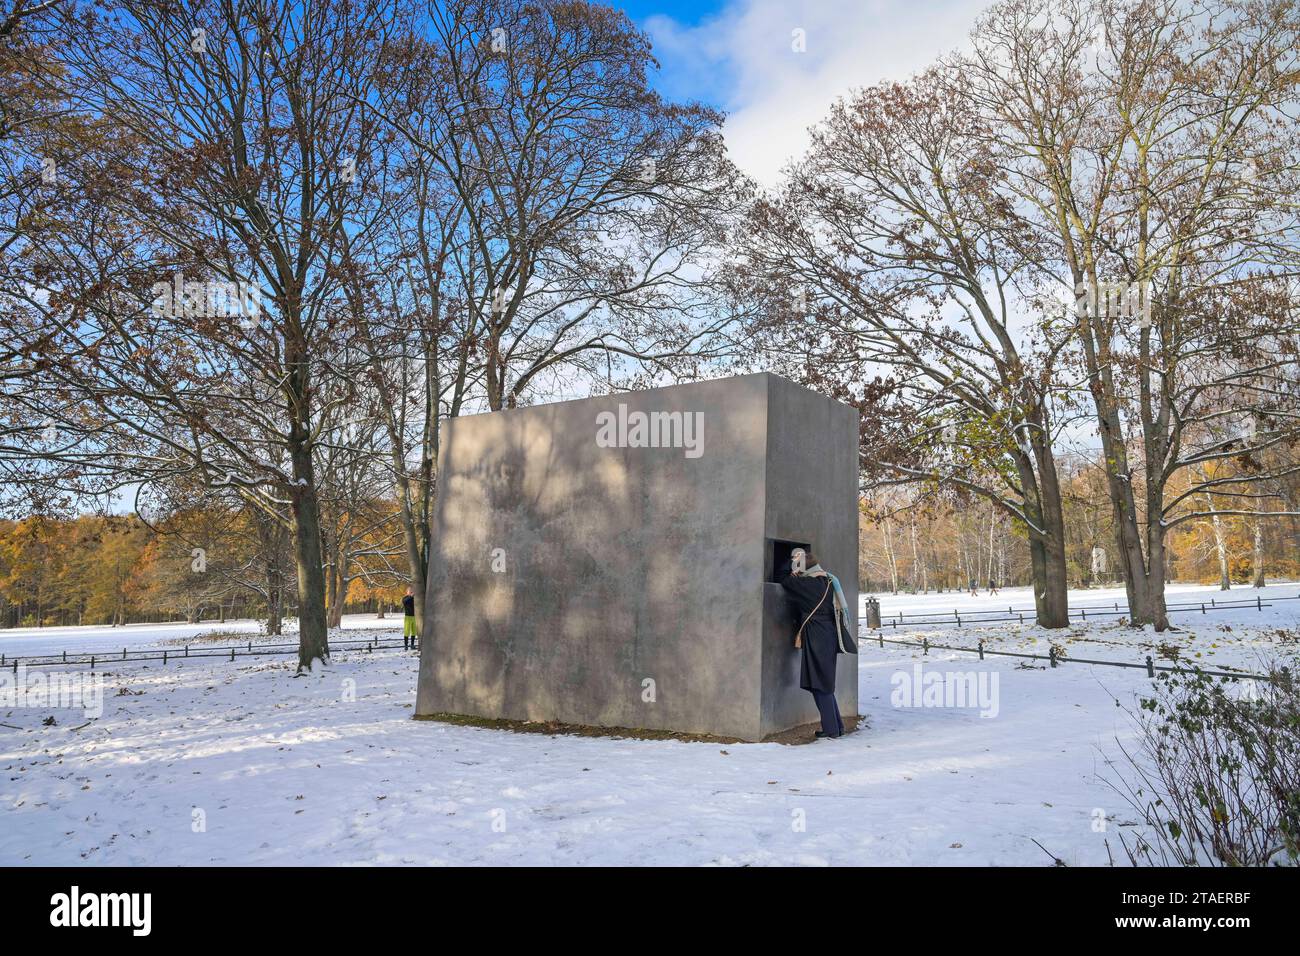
[821, 733]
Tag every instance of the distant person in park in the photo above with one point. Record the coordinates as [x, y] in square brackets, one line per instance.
[409, 634]
[974, 588]
[993, 587]
[824, 632]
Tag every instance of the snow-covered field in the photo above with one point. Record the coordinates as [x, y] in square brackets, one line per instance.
[21, 641]
[212, 762]
[1235, 638]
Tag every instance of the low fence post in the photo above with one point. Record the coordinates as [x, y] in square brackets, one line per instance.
[981, 650]
[1151, 667]
[1051, 655]
[925, 644]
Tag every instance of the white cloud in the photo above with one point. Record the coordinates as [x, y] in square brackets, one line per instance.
[743, 56]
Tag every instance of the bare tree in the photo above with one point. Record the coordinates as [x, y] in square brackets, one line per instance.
[421, 358]
[241, 158]
[552, 222]
[587, 205]
[894, 275]
[38, 135]
[1153, 144]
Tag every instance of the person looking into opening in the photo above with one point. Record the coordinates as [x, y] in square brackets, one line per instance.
[824, 632]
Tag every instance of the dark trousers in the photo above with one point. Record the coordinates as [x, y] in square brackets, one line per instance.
[832, 725]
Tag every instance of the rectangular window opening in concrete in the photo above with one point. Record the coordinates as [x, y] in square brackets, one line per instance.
[778, 553]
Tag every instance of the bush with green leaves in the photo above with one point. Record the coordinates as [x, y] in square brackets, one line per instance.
[1216, 776]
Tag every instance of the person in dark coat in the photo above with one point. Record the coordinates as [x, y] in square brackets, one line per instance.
[409, 634]
[817, 601]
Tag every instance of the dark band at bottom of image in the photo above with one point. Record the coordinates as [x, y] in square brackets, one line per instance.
[154, 903]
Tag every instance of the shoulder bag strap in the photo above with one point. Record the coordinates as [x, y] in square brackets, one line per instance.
[798, 637]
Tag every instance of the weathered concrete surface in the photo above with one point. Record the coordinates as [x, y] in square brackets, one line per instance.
[811, 498]
[623, 586]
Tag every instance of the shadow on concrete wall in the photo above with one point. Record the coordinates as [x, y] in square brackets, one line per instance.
[565, 576]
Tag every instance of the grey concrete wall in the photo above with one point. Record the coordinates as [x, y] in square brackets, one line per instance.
[621, 565]
[811, 496]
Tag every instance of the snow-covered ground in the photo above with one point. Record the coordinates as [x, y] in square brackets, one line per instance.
[213, 762]
[936, 601]
[24, 641]
[1234, 638]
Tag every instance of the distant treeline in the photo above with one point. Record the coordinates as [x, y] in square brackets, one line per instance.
[202, 565]
[912, 539]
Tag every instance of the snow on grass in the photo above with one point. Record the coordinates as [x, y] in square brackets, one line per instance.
[1236, 638]
[288, 770]
[28, 641]
[329, 768]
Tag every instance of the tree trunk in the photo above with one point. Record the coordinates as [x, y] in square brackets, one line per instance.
[1144, 581]
[992, 524]
[338, 589]
[890, 556]
[1220, 545]
[1257, 556]
[329, 561]
[1156, 562]
[1042, 505]
[336, 612]
[313, 634]
[1053, 606]
[1048, 570]
[1221, 549]
[1050, 582]
[1225, 575]
[271, 535]
[916, 557]
[1144, 574]
[274, 603]
[1143, 586]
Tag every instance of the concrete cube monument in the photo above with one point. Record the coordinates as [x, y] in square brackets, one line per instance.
[609, 562]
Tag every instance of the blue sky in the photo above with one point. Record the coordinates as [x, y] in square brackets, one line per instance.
[740, 55]
[683, 11]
